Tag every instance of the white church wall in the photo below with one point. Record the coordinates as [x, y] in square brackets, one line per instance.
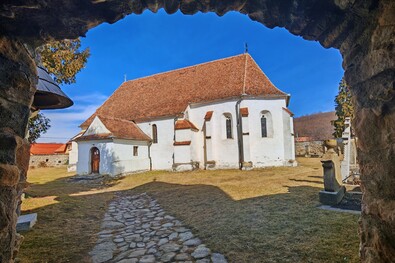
[222, 150]
[106, 149]
[124, 160]
[73, 157]
[246, 139]
[183, 135]
[266, 151]
[261, 151]
[289, 144]
[161, 152]
[182, 154]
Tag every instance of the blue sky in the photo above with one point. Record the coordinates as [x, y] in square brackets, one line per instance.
[142, 45]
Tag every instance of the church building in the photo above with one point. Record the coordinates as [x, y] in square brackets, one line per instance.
[223, 114]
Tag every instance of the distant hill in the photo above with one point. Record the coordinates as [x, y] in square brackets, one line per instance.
[317, 126]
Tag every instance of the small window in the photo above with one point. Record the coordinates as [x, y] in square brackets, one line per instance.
[263, 126]
[135, 150]
[46, 160]
[228, 127]
[154, 134]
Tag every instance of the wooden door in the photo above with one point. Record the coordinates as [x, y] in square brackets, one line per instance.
[95, 160]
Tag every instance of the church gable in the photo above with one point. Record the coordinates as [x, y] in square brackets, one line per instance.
[109, 128]
[96, 127]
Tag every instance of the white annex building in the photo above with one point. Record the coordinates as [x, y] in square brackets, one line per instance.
[221, 114]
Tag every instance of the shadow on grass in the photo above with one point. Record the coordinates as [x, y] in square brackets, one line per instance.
[275, 228]
[308, 181]
[316, 176]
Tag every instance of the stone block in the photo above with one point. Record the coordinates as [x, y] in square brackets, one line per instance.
[26, 222]
[332, 198]
[15, 116]
[9, 175]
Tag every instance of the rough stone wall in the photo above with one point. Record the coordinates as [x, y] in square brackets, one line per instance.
[363, 30]
[310, 149]
[17, 87]
[370, 71]
[49, 160]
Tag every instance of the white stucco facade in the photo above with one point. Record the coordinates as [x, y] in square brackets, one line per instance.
[116, 156]
[205, 146]
[73, 157]
[162, 150]
[274, 150]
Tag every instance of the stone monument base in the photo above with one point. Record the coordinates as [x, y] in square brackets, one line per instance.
[26, 222]
[332, 198]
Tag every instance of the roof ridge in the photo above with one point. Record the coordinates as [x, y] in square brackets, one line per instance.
[183, 68]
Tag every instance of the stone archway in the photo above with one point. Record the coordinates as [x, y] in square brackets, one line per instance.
[363, 31]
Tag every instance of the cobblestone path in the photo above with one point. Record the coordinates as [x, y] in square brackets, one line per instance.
[135, 229]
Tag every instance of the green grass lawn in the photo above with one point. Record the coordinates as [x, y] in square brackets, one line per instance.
[265, 215]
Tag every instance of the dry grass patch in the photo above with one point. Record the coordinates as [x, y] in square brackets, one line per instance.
[266, 215]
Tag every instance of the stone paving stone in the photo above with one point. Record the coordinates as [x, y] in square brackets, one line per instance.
[192, 242]
[218, 258]
[136, 229]
[201, 252]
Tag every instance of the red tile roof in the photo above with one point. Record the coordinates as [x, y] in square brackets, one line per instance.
[185, 124]
[169, 93]
[120, 129]
[46, 148]
[61, 149]
[244, 112]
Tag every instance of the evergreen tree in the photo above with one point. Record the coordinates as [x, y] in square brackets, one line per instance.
[344, 108]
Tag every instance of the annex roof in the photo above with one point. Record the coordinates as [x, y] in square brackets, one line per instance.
[244, 112]
[185, 124]
[47, 148]
[169, 93]
[120, 129]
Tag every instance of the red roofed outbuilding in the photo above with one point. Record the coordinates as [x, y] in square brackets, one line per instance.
[48, 154]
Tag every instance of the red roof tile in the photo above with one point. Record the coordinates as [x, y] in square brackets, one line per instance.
[183, 143]
[244, 112]
[120, 129]
[169, 93]
[45, 148]
[185, 124]
[208, 116]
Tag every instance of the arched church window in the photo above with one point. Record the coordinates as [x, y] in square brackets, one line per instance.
[228, 125]
[266, 124]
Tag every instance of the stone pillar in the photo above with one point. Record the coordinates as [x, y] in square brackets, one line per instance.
[370, 72]
[18, 78]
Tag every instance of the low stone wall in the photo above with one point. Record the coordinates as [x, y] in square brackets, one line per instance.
[49, 160]
[310, 149]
